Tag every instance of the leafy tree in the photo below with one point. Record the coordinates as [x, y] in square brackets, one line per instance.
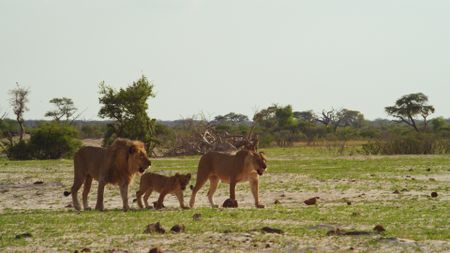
[285, 117]
[231, 118]
[18, 100]
[306, 116]
[128, 110]
[441, 126]
[65, 108]
[410, 106]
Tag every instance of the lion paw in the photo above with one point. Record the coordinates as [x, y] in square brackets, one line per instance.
[260, 206]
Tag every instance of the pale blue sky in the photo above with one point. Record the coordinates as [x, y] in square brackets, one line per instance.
[221, 56]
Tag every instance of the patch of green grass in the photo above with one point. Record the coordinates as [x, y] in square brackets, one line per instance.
[293, 170]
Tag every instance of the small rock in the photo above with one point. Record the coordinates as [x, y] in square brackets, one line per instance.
[272, 230]
[379, 228]
[277, 202]
[38, 182]
[24, 235]
[267, 246]
[178, 228]
[396, 192]
[154, 228]
[86, 250]
[155, 250]
[283, 195]
[432, 179]
[434, 194]
[428, 169]
[349, 203]
[230, 203]
[196, 216]
[4, 190]
[411, 169]
[311, 201]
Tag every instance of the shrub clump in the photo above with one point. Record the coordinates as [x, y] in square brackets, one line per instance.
[408, 143]
[48, 141]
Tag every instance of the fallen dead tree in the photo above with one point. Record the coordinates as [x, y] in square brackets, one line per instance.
[196, 137]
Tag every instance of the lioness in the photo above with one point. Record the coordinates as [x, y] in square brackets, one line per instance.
[164, 185]
[116, 165]
[245, 165]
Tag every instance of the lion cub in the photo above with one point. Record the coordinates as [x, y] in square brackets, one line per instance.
[164, 185]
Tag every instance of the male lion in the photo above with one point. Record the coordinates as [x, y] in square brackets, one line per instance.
[115, 165]
[164, 185]
[245, 165]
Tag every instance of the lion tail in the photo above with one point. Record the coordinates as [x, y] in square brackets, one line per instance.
[66, 193]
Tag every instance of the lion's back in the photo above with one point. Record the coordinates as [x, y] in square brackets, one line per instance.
[217, 163]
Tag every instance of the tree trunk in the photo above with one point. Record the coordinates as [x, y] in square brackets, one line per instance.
[22, 131]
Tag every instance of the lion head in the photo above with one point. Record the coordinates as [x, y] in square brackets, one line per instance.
[260, 161]
[183, 180]
[137, 157]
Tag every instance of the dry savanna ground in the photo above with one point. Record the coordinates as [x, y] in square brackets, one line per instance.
[356, 194]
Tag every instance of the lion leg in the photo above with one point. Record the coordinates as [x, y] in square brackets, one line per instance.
[180, 198]
[124, 195]
[146, 196]
[86, 189]
[100, 192]
[233, 189]
[213, 183]
[254, 186]
[160, 202]
[139, 198]
[74, 191]
[201, 180]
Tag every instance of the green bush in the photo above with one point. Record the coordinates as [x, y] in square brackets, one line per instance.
[54, 141]
[48, 141]
[20, 151]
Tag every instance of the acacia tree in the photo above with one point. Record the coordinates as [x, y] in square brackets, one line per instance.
[128, 110]
[18, 101]
[65, 108]
[410, 106]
